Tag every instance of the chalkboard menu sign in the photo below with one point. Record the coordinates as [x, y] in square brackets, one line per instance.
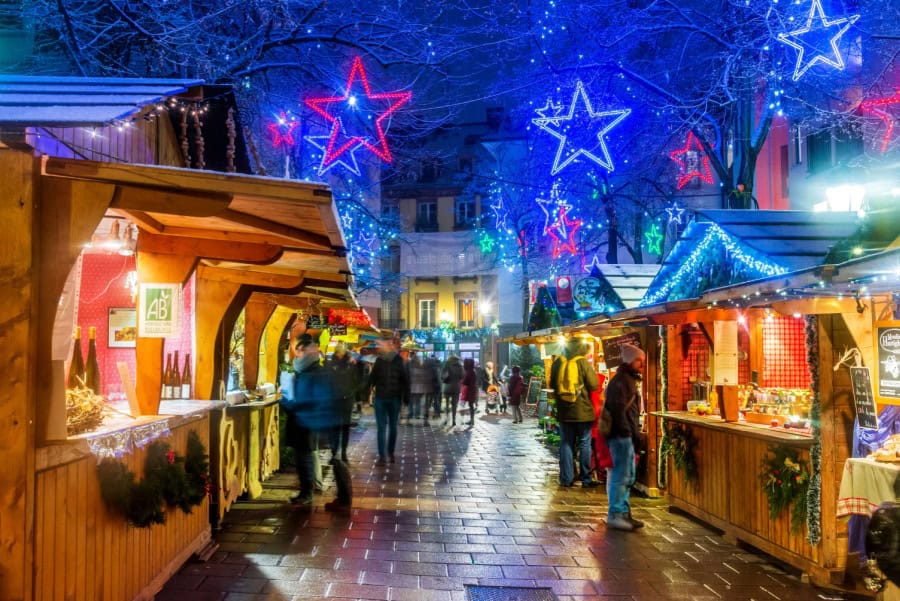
[612, 352]
[534, 391]
[887, 349]
[315, 322]
[340, 330]
[862, 395]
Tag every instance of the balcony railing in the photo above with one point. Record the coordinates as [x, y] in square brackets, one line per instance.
[427, 226]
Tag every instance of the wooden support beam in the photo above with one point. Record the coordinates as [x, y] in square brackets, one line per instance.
[292, 303]
[243, 252]
[324, 294]
[273, 335]
[320, 283]
[143, 220]
[219, 300]
[168, 201]
[257, 312]
[315, 240]
[161, 269]
[261, 279]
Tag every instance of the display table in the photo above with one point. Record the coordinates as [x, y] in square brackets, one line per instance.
[866, 484]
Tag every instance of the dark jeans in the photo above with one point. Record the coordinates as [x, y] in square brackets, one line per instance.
[301, 440]
[574, 435]
[517, 412]
[452, 402]
[343, 482]
[387, 413]
[433, 399]
[340, 436]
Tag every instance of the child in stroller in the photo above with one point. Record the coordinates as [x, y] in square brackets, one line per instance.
[492, 402]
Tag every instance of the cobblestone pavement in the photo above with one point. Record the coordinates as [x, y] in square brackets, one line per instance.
[464, 507]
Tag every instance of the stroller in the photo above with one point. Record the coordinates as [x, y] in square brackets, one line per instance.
[492, 400]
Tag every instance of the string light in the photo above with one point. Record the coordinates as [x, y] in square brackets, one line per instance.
[581, 131]
[282, 130]
[795, 39]
[654, 240]
[875, 107]
[702, 170]
[676, 213]
[563, 234]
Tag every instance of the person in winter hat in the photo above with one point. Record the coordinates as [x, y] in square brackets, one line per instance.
[576, 418]
[451, 381]
[624, 405]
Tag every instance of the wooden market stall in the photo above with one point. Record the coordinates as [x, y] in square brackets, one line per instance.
[227, 244]
[762, 333]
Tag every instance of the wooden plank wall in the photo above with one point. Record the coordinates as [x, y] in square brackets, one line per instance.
[151, 142]
[83, 552]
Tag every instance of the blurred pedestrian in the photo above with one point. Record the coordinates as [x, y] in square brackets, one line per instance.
[346, 385]
[516, 387]
[490, 386]
[389, 383]
[505, 375]
[623, 404]
[433, 399]
[451, 381]
[420, 386]
[469, 388]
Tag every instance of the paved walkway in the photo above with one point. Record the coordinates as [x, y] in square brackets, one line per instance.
[465, 507]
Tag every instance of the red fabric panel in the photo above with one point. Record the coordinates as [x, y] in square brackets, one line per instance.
[784, 353]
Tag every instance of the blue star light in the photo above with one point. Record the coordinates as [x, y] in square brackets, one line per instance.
[801, 41]
[580, 133]
[321, 142]
[500, 213]
[676, 213]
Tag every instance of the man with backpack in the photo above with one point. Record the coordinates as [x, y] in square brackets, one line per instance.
[573, 379]
[621, 426]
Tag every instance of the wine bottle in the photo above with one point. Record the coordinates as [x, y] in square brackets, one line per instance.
[76, 368]
[167, 378]
[92, 367]
[176, 379]
[186, 377]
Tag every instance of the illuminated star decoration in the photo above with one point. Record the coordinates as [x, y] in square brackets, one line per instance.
[676, 214]
[485, 242]
[351, 120]
[594, 264]
[563, 233]
[797, 39]
[347, 221]
[320, 143]
[500, 213]
[877, 107]
[282, 130]
[654, 240]
[688, 173]
[581, 131]
[554, 203]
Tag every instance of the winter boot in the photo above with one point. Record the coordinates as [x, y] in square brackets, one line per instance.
[619, 521]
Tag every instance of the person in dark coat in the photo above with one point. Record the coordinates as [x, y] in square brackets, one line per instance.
[623, 404]
[469, 388]
[433, 399]
[346, 381]
[391, 387]
[311, 412]
[576, 418]
[451, 381]
[420, 386]
[516, 387]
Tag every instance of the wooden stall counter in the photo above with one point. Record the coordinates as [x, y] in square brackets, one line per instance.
[85, 552]
[727, 492]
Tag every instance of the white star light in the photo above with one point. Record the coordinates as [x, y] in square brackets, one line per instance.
[552, 107]
[500, 214]
[800, 45]
[595, 263]
[676, 213]
[564, 127]
[321, 143]
[553, 204]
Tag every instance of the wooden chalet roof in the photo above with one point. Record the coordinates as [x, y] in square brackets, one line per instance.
[50, 101]
[629, 281]
[278, 235]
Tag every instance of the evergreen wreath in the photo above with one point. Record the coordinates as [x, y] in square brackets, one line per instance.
[679, 442]
[177, 481]
[662, 474]
[814, 494]
[785, 479]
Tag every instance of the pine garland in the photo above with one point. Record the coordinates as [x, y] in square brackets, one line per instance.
[169, 479]
[662, 467]
[681, 443]
[814, 493]
[785, 479]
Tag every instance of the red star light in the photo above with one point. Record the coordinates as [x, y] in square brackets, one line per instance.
[689, 172]
[282, 130]
[564, 228]
[877, 107]
[351, 105]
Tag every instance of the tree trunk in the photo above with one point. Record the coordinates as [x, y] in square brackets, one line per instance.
[612, 233]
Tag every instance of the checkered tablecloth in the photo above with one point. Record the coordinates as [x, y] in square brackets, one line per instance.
[865, 485]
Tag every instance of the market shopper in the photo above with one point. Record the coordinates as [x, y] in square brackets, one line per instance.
[390, 385]
[516, 387]
[420, 386]
[623, 439]
[433, 399]
[346, 384]
[313, 411]
[451, 382]
[573, 379]
[469, 388]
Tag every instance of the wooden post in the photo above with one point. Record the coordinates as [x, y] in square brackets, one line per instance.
[651, 344]
[676, 362]
[256, 315]
[158, 269]
[215, 297]
[18, 358]
[274, 331]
